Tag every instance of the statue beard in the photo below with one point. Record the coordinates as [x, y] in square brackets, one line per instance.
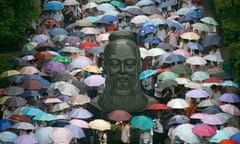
[123, 92]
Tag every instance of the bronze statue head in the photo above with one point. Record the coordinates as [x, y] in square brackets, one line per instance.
[122, 65]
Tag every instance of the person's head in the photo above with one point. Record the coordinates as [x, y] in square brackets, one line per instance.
[122, 66]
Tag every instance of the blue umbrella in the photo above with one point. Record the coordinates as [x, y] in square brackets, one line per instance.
[211, 40]
[15, 79]
[58, 31]
[176, 24]
[144, 3]
[42, 135]
[167, 3]
[144, 30]
[194, 46]
[105, 7]
[229, 83]
[45, 117]
[92, 19]
[142, 122]
[30, 93]
[152, 40]
[172, 58]
[7, 136]
[5, 124]
[38, 78]
[31, 111]
[96, 50]
[195, 14]
[236, 137]
[212, 110]
[53, 5]
[147, 73]
[80, 113]
[109, 18]
[76, 131]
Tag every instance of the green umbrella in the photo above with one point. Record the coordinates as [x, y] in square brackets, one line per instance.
[29, 46]
[44, 117]
[62, 59]
[142, 122]
[201, 27]
[167, 76]
[209, 20]
[181, 69]
[100, 1]
[118, 4]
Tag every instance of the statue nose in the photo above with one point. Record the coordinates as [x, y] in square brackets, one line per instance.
[122, 68]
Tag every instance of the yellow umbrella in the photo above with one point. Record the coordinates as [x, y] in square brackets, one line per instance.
[83, 23]
[9, 73]
[100, 124]
[190, 36]
[91, 68]
[79, 100]
[3, 99]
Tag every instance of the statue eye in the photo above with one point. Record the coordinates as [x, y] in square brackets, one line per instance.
[130, 62]
[114, 62]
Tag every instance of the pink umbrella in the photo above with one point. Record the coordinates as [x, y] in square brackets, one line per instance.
[61, 135]
[213, 119]
[80, 123]
[29, 70]
[204, 130]
[94, 80]
[198, 115]
[182, 52]
[231, 109]
[119, 115]
[52, 100]
[31, 85]
[25, 139]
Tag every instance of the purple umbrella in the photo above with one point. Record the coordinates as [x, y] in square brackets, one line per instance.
[80, 113]
[229, 97]
[25, 139]
[213, 119]
[197, 93]
[231, 109]
[76, 131]
[54, 66]
[94, 81]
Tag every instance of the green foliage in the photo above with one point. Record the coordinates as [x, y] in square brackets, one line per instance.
[15, 17]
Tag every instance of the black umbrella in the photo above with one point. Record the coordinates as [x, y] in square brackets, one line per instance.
[13, 91]
[15, 101]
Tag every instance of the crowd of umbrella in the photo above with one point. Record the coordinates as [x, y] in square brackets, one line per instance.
[50, 100]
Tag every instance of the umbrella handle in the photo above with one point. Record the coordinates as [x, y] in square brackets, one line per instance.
[165, 94]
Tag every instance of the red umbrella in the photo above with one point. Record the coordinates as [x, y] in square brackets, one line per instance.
[119, 115]
[204, 130]
[213, 80]
[44, 55]
[227, 141]
[158, 106]
[88, 45]
[20, 118]
[31, 85]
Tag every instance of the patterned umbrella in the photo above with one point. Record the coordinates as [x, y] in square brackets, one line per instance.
[119, 115]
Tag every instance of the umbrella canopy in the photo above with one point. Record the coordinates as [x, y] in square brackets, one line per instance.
[94, 80]
[61, 59]
[182, 52]
[208, 102]
[196, 60]
[231, 109]
[146, 29]
[212, 109]
[184, 132]
[61, 135]
[71, 49]
[91, 68]
[158, 106]
[44, 117]
[156, 52]
[219, 136]
[31, 85]
[53, 5]
[100, 124]
[25, 139]
[177, 103]
[5, 124]
[7, 136]
[13, 91]
[199, 76]
[24, 126]
[201, 27]
[236, 137]
[133, 10]
[119, 115]
[65, 88]
[142, 122]
[20, 118]
[204, 130]
[9, 73]
[146, 73]
[42, 135]
[80, 62]
[213, 119]
[167, 84]
[88, 45]
[139, 19]
[54, 66]
[213, 57]
[58, 31]
[227, 141]
[209, 20]
[181, 69]
[31, 111]
[230, 130]
[167, 76]
[80, 113]
[226, 116]
[60, 107]
[198, 115]
[76, 131]
[190, 36]
[230, 98]
[79, 100]
[211, 40]
[105, 7]
[144, 3]
[15, 101]
[197, 93]
[176, 24]
[80, 123]
[89, 30]
[52, 100]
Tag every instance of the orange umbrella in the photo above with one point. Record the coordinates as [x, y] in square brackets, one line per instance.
[88, 45]
[158, 106]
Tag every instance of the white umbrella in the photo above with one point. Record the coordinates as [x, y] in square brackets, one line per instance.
[100, 124]
[196, 60]
[61, 135]
[139, 19]
[156, 52]
[90, 5]
[24, 126]
[65, 88]
[143, 52]
[89, 30]
[177, 103]
[190, 36]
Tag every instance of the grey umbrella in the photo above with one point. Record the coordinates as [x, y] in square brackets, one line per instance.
[150, 10]
[13, 91]
[15, 101]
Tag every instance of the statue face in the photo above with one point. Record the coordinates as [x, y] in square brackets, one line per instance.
[122, 69]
